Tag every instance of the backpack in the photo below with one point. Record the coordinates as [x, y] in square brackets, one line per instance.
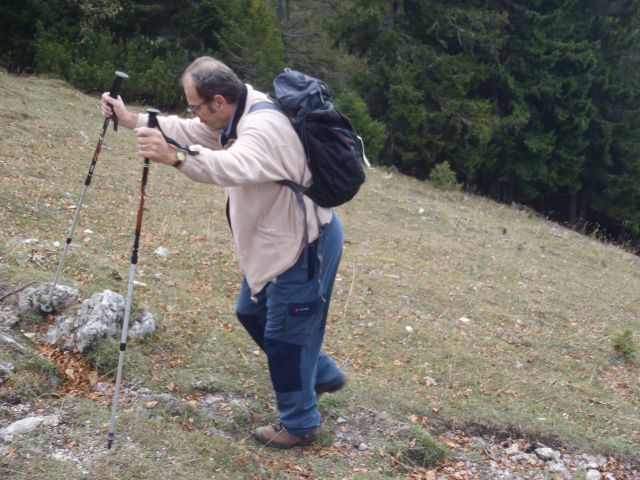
[334, 151]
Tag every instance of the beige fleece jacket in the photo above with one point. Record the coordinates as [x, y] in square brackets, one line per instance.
[266, 221]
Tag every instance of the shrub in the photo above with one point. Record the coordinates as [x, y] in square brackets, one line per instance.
[442, 176]
[162, 80]
[104, 356]
[373, 132]
[51, 55]
[625, 346]
[422, 450]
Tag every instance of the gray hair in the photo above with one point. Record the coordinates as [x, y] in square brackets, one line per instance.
[212, 77]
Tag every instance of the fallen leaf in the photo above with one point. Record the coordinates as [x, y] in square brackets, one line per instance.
[150, 405]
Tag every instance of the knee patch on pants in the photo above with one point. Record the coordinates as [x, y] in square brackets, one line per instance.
[284, 365]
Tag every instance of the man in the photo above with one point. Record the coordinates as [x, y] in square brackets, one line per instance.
[286, 288]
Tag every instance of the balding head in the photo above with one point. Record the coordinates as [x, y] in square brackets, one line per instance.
[212, 77]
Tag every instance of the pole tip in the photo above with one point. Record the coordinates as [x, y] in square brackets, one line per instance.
[45, 308]
[110, 439]
[153, 110]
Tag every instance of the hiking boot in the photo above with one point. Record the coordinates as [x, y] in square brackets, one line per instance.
[330, 387]
[276, 436]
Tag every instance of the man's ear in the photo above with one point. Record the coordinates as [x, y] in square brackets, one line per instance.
[219, 99]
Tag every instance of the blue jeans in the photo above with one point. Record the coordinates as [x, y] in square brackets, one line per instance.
[288, 322]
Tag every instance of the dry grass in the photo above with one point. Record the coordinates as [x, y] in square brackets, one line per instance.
[511, 315]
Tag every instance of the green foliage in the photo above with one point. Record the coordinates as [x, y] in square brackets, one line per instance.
[442, 176]
[22, 20]
[51, 56]
[424, 79]
[625, 345]
[153, 43]
[250, 41]
[103, 357]
[422, 450]
[533, 102]
[34, 375]
[372, 131]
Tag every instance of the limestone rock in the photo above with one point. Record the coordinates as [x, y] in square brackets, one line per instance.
[61, 298]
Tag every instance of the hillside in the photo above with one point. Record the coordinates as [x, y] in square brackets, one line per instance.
[452, 315]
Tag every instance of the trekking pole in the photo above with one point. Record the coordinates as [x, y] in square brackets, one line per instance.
[152, 123]
[115, 91]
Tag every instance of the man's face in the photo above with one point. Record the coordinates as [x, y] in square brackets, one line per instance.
[214, 113]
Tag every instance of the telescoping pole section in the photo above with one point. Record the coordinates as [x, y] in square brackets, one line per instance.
[152, 123]
[115, 91]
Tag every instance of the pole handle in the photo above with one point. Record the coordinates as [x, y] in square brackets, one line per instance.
[153, 120]
[115, 91]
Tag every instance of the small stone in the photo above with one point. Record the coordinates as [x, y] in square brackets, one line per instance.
[102, 387]
[545, 453]
[525, 458]
[429, 382]
[341, 420]
[143, 326]
[161, 252]
[212, 399]
[363, 447]
[61, 298]
[513, 449]
[593, 475]
[8, 318]
[595, 462]
[26, 425]
[10, 341]
[477, 443]
[558, 467]
[5, 370]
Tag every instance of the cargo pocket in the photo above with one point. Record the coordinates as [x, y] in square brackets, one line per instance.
[302, 320]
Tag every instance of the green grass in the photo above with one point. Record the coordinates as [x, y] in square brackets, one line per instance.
[536, 356]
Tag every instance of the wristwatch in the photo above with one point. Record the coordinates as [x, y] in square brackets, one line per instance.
[181, 156]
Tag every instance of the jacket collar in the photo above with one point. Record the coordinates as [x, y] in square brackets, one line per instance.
[230, 134]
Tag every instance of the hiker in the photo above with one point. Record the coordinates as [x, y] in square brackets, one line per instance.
[286, 288]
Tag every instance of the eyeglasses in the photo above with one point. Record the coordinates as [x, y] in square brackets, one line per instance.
[191, 110]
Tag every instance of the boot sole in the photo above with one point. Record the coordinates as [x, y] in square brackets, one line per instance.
[300, 443]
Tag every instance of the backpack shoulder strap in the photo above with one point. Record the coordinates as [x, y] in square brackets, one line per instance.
[298, 189]
[264, 106]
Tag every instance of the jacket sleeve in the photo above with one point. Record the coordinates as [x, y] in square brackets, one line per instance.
[185, 131]
[267, 150]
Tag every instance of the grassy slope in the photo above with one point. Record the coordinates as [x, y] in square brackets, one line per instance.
[543, 302]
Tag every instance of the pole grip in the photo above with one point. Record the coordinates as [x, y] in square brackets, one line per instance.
[115, 91]
[153, 120]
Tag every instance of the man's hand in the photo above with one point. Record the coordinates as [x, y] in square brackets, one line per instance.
[110, 105]
[152, 145]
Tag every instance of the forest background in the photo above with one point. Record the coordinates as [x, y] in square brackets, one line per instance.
[535, 103]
